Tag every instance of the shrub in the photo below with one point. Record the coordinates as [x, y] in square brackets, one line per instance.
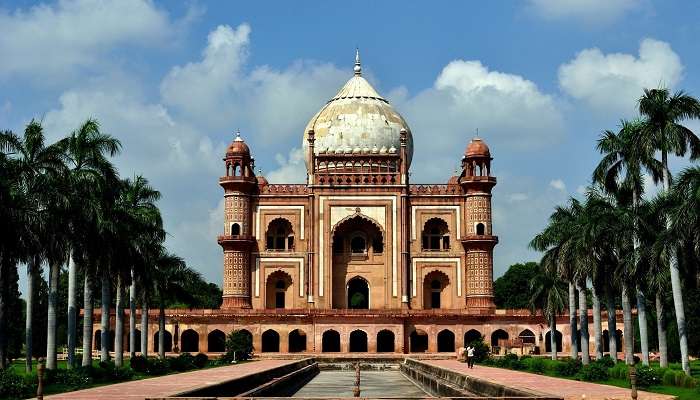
[73, 378]
[569, 367]
[139, 364]
[13, 386]
[201, 360]
[619, 371]
[607, 361]
[183, 362]
[239, 346]
[647, 376]
[537, 365]
[669, 378]
[158, 366]
[593, 372]
[121, 374]
[482, 351]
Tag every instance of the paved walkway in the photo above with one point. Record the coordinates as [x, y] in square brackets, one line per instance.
[170, 385]
[569, 389]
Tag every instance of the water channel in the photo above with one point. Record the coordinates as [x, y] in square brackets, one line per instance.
[373, 384]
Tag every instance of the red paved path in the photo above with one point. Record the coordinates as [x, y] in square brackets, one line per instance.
[569, 389]
[171, 384]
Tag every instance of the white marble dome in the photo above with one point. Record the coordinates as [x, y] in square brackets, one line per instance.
[358, 117]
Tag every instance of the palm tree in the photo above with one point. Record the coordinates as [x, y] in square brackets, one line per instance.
[626, 155]
[137, 199]
[547, 295]
[38, 169]
[139, 222]
[664, 113]
[559, 234]
[170, 272]
[86, 150]
[659, 242]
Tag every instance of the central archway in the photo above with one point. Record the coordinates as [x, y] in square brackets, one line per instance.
[297, 341]
[418, 341]
[270, 341]
[385, 341]
[357, 242]
[358, 293]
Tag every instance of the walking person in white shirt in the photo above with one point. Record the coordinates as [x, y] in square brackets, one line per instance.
[470, 356]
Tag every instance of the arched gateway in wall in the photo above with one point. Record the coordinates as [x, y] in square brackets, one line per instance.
[358, 258]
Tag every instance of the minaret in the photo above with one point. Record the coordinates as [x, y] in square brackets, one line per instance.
[477, 183]
[239, 184]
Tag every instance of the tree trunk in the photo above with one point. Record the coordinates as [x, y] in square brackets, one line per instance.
[612, 320]
[629, 326]
[661, 331]
[104, 322]
[87, 321]
[583, 312]
[54, 269]
[553, 336]
[161, 331]
[642, 318]
[676, 285]
[572, 320]
[72, 311]
[119, 326]
[144, 322]
[597, 325]
[32, 269]
[132, 316]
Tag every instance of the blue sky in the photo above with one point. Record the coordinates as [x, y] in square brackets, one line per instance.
[539, 78]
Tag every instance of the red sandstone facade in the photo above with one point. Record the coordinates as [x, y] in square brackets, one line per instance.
[357, 259]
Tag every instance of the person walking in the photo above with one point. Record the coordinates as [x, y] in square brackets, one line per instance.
[470, 356]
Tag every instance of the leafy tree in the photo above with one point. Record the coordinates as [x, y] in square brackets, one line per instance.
[239, 346]
[509, 290]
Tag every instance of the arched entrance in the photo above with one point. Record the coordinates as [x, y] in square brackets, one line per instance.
[358, 341]
[418, 341]
[471, 336]
[358, 293]
[190, 341]
[270, 341]
[167, 341]
[497, 335]
[357, 241]
[446, 341]
[606, 340]
[330, 341]
[548, 341]
[435, 290]
[385, 341]
[297, 341]
[216, 341]
[279, 294]
[527, 336]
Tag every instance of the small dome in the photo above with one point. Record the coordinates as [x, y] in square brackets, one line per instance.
[382, 150]
[238, 147]
[375, 150]
[454, 180]
[392, 150]
[262, 181]
[477, 148]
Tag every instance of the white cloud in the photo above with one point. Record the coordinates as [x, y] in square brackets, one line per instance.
[218, 91]
[558, 184]
[615, 81]
[292, 169]
[581, 189]
[49, 41]
[518, 197]
[510, 112]
[588, 11]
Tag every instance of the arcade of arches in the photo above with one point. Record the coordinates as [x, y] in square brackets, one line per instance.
[359, 337]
